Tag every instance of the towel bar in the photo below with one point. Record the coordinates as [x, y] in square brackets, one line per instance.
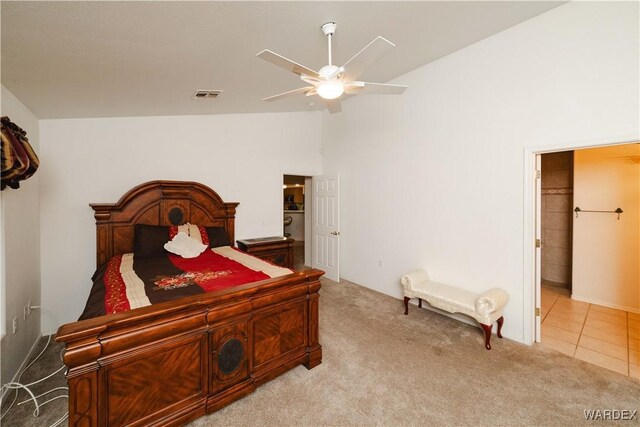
[617, 211]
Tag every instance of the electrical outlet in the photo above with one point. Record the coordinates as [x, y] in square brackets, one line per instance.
[29, 308]
[14, 323]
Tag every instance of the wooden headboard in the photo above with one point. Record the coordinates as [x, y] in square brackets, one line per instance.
[158, 203]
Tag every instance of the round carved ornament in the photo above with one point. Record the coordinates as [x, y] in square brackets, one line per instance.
[230, 356]
[176, 216]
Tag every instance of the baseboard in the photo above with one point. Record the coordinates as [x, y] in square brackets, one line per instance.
[605, 304]
[23, 364]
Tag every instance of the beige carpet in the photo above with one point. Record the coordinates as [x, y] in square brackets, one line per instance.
[22, 415]
[383, 368]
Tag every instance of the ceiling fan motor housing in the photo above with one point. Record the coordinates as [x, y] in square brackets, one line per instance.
[328, 71]
[329, 28]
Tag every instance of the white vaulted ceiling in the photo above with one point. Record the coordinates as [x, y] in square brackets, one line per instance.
[106, 59]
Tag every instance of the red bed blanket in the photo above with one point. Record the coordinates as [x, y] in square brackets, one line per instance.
[127, 281]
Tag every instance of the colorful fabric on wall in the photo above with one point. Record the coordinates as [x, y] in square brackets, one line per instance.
[19, 161]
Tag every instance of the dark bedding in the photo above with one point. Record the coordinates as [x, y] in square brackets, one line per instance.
[130, 281]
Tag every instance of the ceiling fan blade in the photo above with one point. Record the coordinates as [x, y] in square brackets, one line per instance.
[308, 79]
[286, 63]
[333, 105]
[367, 56]
[289, 94]
[366, 88]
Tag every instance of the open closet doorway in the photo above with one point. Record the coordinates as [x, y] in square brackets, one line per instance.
[296, 215]
[556, 221]
[588, 281]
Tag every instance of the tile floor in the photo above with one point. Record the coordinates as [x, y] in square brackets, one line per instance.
[600, 335]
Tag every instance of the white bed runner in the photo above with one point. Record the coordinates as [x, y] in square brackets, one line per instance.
[252, 262]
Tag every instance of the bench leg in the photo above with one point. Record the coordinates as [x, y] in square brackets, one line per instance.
[406, 305]
[420, 302]
[487, 336]
[500, 322]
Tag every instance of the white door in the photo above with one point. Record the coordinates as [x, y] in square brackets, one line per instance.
[326, 225]
[538, 243]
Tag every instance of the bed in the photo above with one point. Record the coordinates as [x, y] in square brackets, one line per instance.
[173, 361]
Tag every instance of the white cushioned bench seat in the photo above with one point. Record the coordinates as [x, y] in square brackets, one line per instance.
[486, 308]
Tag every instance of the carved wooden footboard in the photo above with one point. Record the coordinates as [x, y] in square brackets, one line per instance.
[170, 363]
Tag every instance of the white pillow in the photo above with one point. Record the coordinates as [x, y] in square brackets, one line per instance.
[185, 246]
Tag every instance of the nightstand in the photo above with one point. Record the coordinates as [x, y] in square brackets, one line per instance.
[276, 250]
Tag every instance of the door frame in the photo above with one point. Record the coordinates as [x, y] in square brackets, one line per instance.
[531, 287]
[308, 221]
[538, 250]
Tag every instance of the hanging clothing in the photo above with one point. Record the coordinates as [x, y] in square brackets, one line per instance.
[19, 161]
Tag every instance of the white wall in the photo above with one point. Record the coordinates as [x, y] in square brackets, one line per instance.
[606, 250]
[435, 178]
[243, 157]
[20, 251]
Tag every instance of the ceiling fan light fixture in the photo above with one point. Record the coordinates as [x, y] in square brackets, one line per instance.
[330, 89]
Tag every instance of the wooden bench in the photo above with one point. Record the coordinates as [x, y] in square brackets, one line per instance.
[486, 308]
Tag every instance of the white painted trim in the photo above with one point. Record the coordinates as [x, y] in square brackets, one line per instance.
[604, 303]
[22, 365]
[577, 145]
[308, 220]
[528, 249]
[537, 330]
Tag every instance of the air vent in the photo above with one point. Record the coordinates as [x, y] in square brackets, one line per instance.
[206, 94]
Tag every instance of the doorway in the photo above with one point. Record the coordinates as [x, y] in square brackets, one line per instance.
[296, 214]
[587, 280]
[556, 200]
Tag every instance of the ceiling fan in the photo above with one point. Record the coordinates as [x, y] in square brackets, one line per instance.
[332, 81]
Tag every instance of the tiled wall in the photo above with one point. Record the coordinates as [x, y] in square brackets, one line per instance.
[557, 205]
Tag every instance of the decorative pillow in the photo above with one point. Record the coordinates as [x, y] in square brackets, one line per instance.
[149, 239]
[185, 246]
[218, 237]
[193, 231]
